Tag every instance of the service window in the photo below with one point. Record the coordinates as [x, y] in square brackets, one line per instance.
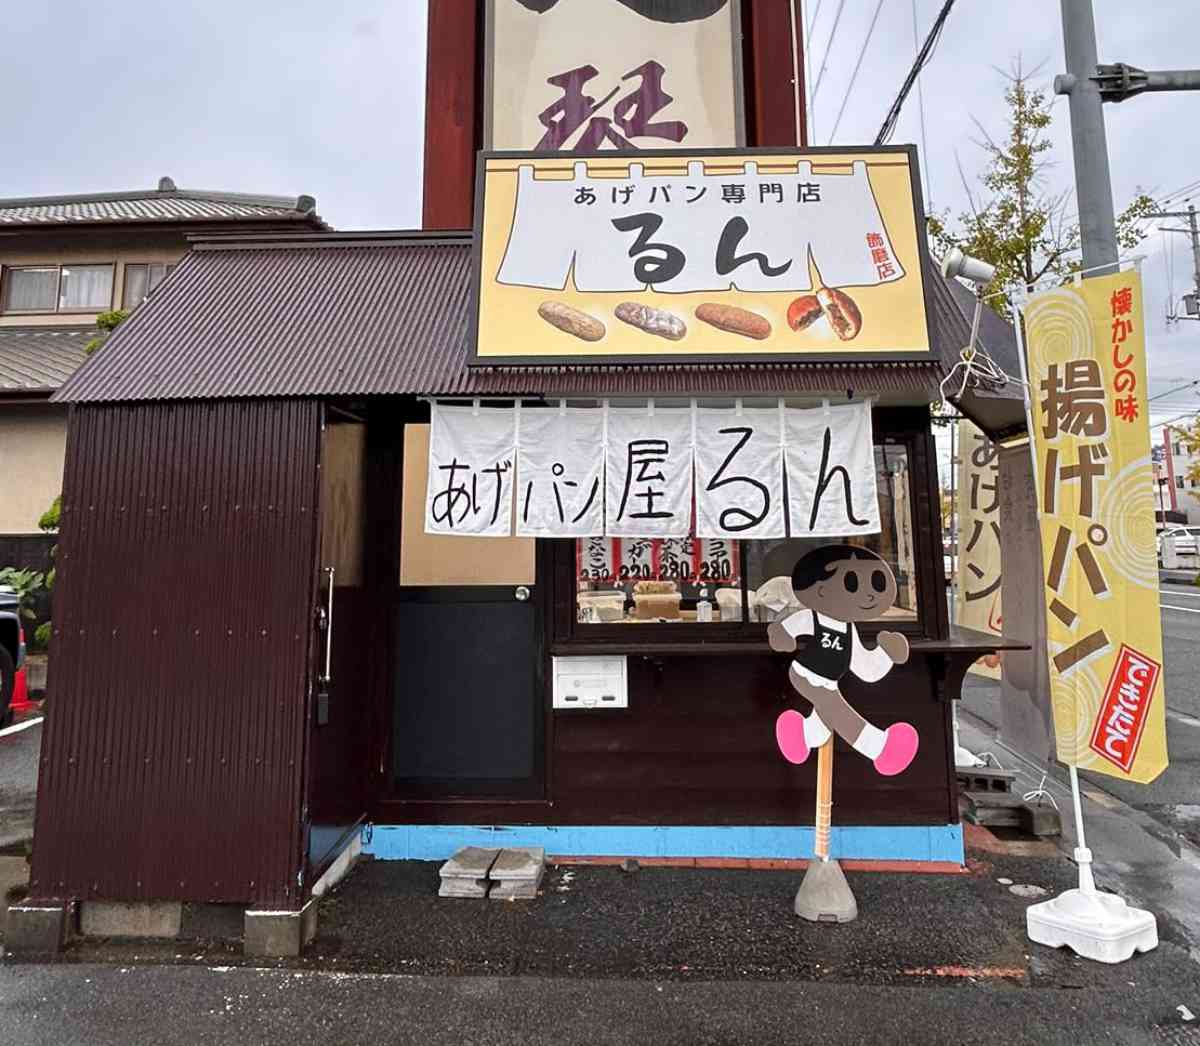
[704, 583]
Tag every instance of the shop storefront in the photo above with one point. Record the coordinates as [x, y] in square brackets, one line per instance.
[479, 536]
[216, 482]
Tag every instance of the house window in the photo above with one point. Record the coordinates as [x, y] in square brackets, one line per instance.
[85, 288]
[31, 290]
[58, 288]
[702, 582]
[140, 280]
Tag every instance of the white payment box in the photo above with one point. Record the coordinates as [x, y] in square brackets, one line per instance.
[590, 682]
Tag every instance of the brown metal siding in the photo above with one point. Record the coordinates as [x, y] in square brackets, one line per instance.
[172, 760]
[372, 314]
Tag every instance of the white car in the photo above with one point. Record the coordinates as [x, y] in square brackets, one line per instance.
[1185, 540]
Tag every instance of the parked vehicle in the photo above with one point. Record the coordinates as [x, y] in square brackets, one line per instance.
[1185, 540]
[12, 650]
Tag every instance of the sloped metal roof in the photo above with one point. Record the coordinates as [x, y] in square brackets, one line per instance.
[40, 359]
[379, 314]
[165, 204]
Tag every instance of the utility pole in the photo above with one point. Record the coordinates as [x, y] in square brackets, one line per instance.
[1093, 185]
[1088, 84]
[1191, 302]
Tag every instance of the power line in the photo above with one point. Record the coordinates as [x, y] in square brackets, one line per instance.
[1180, 417]
[807, 44]
[921, 108]
[926, 52]
[1190, 187]
[828, 47]
[1172, 392]
[813, 21]
[854, 75]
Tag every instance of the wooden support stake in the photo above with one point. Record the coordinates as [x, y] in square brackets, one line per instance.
[824, 799]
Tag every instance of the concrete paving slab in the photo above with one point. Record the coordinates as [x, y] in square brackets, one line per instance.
[470, 888]
[515, 890]
[470, 862]
[519, 864]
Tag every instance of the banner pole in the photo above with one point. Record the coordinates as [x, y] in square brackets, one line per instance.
[1083, 856]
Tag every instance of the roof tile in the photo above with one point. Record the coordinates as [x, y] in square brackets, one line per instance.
[164, 205]
[40, 359]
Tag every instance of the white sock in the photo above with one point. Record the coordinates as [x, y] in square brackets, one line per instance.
[816, 733]
[870, 742]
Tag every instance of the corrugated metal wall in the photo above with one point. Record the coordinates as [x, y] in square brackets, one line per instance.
[173, 756]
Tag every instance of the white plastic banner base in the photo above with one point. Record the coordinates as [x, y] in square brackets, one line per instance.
[1095, 925]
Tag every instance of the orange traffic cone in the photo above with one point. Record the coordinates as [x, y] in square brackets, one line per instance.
[20, 698]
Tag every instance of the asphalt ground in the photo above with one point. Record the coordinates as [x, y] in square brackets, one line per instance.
[19, 753]
[654, 955]
[120, 1006]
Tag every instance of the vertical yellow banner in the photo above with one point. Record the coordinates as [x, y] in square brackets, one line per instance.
[977, 596]
[1087, 375]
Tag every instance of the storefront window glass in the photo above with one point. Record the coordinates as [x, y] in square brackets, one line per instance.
[696, 581]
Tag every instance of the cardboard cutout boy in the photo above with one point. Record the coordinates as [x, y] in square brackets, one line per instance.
[839, 585]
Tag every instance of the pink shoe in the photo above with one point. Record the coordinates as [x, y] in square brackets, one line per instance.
[898, 750]
[789, 735]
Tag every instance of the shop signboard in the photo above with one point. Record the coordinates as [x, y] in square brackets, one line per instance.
[1087, 375]
[699, 256]
[655, 477]
[587, 75]
[977, 596]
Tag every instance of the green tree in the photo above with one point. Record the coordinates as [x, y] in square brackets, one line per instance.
[1017, 224]
[25, 583]
[1189, 436]
[48, 523]
[107, 322]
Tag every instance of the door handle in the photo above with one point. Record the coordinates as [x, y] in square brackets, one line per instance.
[521, 594]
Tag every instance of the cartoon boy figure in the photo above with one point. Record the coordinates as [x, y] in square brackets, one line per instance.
[839, 585]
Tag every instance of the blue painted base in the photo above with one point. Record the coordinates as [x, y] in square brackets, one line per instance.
[437, 842]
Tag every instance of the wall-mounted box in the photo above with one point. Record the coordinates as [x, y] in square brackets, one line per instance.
[590, 682]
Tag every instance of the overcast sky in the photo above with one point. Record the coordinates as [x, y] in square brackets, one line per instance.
[327, 99]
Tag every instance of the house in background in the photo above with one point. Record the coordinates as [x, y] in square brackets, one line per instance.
[1181, 492]
[63, 261]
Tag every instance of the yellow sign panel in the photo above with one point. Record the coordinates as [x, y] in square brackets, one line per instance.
[1087, 375]
[700, 256]
[977, 597]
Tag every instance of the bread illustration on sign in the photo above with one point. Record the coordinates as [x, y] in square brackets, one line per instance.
[651, 320]
[836, 306]
[804, 312]
[571, 320]
[734, 320]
